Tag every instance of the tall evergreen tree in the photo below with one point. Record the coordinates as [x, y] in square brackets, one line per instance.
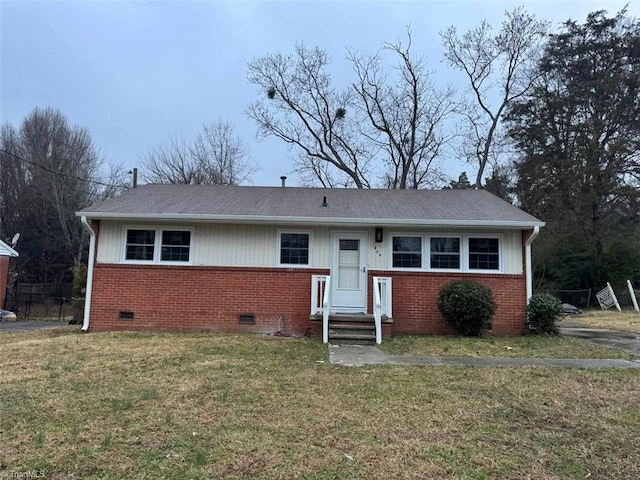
[578, 131]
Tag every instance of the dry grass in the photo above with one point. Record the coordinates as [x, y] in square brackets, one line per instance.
[625, 321]
[151, 405]
[518, 347]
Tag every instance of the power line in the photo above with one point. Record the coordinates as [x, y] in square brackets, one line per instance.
[62, 174]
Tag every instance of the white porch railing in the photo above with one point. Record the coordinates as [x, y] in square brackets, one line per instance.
[321, 301]
[381, 303]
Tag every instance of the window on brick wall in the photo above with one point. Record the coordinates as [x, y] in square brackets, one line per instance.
[157, 245]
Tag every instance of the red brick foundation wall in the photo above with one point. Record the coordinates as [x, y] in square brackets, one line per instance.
[415, 301]
[4, 275]
[175, 298]
[194, 298]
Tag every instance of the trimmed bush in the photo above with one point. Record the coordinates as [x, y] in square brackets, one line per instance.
[543, 314]
[467, 306]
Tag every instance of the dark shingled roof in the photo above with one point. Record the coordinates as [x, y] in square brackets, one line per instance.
[305, 205]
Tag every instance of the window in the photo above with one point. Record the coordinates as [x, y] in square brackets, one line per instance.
[175, 246]
[445, 252]
[294, 248]
[484, 254]
[157, 245]
[140, 244]
[407, 252]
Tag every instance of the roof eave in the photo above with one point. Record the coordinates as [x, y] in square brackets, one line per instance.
[289, 220]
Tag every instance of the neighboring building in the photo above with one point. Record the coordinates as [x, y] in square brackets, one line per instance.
[256, 259]
[6, 252]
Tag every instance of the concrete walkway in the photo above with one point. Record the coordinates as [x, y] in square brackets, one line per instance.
[361, 355]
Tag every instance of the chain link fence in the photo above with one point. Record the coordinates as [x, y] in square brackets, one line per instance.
[45, 301]
[585, 299]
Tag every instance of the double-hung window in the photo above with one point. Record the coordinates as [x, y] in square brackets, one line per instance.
[140, 245]
[445, 253]
[157, 245]
[484, 253]
[176, 246]
[294, 248]
[407, 251]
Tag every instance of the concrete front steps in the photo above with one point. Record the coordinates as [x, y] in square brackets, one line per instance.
[348, 329]
[351, 329]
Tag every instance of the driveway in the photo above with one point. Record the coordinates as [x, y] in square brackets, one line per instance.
[6, 327]
[627, 341]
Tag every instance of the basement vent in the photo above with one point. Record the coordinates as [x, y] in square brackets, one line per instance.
[246, 319]
[126, 316]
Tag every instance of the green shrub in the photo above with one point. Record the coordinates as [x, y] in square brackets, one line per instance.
[80, 281]
[543, 314]
[467, 306]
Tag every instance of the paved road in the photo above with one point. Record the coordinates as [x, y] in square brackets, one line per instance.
[6, 327]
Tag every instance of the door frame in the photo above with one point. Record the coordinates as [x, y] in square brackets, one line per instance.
[359, 304]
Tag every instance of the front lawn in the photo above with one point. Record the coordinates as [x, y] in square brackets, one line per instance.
[625, 321]
[196, 406]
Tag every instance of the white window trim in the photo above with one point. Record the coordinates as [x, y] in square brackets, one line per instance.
[445, 235]
[279, 234]
[157, 246]
[406, 234]
[500, 252]
[464, 252]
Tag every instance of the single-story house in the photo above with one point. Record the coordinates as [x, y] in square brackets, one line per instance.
[6, 252]
[296, 261]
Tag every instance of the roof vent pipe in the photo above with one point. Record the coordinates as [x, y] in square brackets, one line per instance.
[324, 202]
[284, 181]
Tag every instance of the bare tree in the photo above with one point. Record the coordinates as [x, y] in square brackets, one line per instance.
[48, 173]
[499, 68]
[384, 129]
[13, 180]
[301, 107]
[215, 156]
[405, 115]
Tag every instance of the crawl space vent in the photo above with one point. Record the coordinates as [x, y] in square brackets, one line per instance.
[246, 319]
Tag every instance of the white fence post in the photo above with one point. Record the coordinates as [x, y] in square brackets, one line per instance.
[326, 307]
[615, 299]
[633, 296]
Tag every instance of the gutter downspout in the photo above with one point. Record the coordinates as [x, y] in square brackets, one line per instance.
[92, 255]
[529, 273]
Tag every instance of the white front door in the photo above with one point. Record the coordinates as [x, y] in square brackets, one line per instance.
[349, 272]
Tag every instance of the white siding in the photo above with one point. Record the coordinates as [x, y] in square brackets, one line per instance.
[110, 238]
[256, 245]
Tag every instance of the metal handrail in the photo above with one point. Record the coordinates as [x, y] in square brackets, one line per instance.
[326, 306]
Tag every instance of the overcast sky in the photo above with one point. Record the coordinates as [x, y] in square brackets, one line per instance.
[136, 73]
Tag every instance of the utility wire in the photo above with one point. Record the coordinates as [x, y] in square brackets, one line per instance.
[62, 174]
